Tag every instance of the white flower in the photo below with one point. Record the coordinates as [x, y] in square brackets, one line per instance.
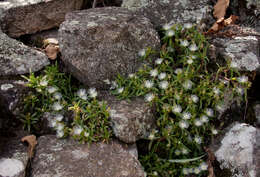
[197, 170]
[187, 25]
[186, 115]
[52, 89]
[240, 90]
[53, 123]
[184, 43]
[131, 75]
[154, 72]
[149, 97]
[44, 82]
[204, 119]
[187, 84]
[155, 173]
[177, 96]
[148, 84]
[220, 107]
[92, 92]
[178, 71]
[57, 96]
[163, 84]
[142, 53]
[234, 65]
[162, 76]
[59, 126]
[151, 136]
[176, 109]
[209, 112]
[60, 134]
[113, 85]
[189, 61]
[159, 61]
[197, 139]
[193, 47]
[58, 117]
[170, 33]
[216, 90]
[184, 151]
[57, 106]
[86, 134]
[197, 122]
[177, 152]
[82, 94]
[214, 131]
[77, 130]
[203, 166]
[120, 90]
[185, 171]
[183, 124]
[107, 81]
[242, 79]
[191, 170]
[195, 98]
[167, 26]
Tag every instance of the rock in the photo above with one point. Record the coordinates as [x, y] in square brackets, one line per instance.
[174, 11]
[257, 113]
[16, 58]
[237, 150]
[19, 17]
[58, 158]
[13, 157]
[242, 50]
[131, 120]
[98, 44]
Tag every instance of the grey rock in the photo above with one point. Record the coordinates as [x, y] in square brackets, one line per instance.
[13, 157]
[172, 11]
[98, 44]
[19, 17]
[131, 120]
[237, 151]
[67, 158]
[257, 113]
[242, 50]
[16, 58]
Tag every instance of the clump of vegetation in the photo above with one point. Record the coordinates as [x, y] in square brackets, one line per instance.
[187, 96]
[55, 94]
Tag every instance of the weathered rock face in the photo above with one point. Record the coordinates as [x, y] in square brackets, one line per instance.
[131, 121]
[99, 43]
[13, 157]
[238, 150]
[242, 50]
[16, 58]
[174, 11]
[67, 158]
[257, 113]
[19, 17]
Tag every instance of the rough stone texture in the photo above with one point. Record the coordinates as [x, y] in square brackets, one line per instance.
[99, 43]
[174, 11]
[257, 113]
[13, 157]
[237, 151]
[19, 17]
[67, 158]
[16, 58]
[131, 121]
[242, 50]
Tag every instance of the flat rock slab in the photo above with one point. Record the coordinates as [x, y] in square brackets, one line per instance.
[97, 44]
[19, 17]
[67, 158]
[13, 157]
[238, 150]
[174, 11]
[131, 120]
[16, 58]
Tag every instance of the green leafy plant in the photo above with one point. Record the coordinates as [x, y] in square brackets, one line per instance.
[54, 93]
[187, 96]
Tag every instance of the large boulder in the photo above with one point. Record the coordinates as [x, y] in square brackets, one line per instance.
[16, 58]
[67, 158]
[98, 44]
[172, 11]
[19, 17]
[238, 150]
[131, 120]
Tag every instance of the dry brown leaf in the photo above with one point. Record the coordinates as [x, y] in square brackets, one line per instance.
[210, 160]
[32, 142]
[52, 51]
[220, 9]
